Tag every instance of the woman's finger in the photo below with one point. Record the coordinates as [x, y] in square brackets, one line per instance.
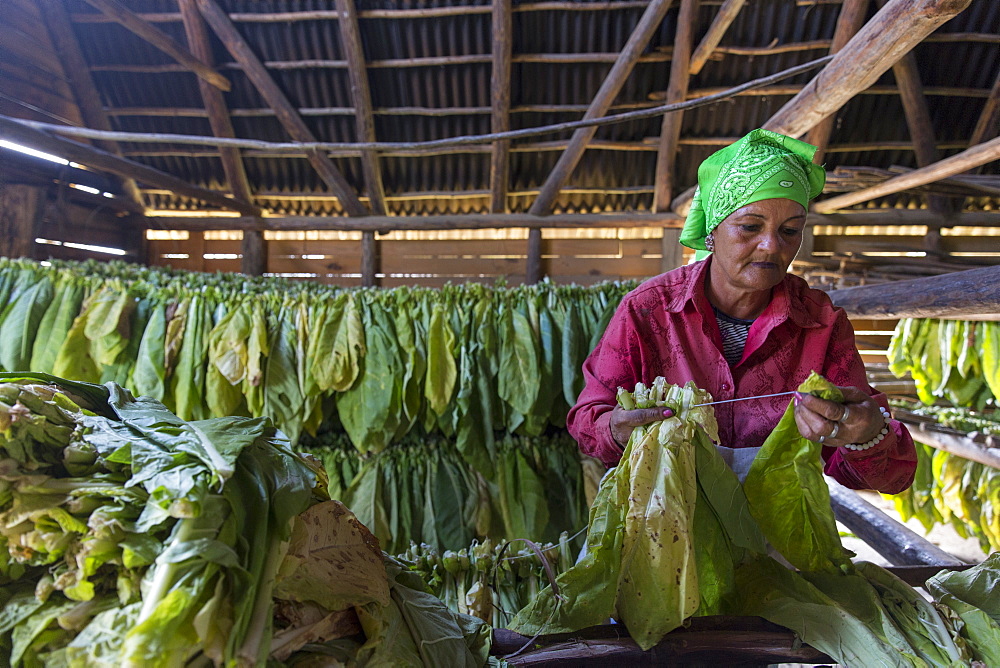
[831, 410]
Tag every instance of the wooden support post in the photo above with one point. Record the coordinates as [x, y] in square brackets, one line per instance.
[500, 100]
[951, 295]
[159, 39]
[20, 214]
[609, 89]
[956, 444]
[369, 259]
[728, 12]
[93, 157]
[956, 164]
[287, 114]
[533, 271]
[898, 544]
[672, 253]
[82, 84]
[670, 128]
[350, 38]
[893, 31]
[254, 251]
[988, 125]
[849, 22]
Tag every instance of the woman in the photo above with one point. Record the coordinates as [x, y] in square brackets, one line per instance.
[739, 326]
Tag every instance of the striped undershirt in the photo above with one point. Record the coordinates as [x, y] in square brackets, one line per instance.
[734, 335]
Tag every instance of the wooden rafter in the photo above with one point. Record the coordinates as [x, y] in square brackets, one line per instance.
[670, 128]
[253, 256]
[988, 124]
[849, 22]
[500, 100]
[609, 89]
[159, 39]
[956, 164]
[728, 12]
[78, 76]
[102, 160]
[286, 113]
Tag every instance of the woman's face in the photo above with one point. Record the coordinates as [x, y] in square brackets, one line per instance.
[755, 244]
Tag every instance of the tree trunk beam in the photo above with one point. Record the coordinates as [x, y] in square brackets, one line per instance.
[950, 440]
[988, 124]
[500, 100]
[159, 39]
[728, 12]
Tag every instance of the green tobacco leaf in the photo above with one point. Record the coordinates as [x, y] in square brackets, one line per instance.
[789, 497]
[517, 376]
[442, 373]
[56, 323]
[17, 333]
[149, 374]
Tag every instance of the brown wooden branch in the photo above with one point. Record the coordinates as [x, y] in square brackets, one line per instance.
[727, 14]
[82, 85]
[287, 115]
[159, 39]
[670, 127]
[93, 157]
[985, 450]
[956, 164]
[609, 89]
[988, 124]
[500, 101]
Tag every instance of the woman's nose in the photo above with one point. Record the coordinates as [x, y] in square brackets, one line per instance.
[768, 242]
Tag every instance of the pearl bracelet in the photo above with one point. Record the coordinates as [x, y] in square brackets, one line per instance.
[878, 439]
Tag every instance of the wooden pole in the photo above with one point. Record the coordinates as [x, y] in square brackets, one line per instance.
[94, 157]
[728, 12]
[82, 84]
[533, 271]
[951, 295]
[286, 113]
[369, 259]
[955, 443]
[500, 98]
[20, 214]
[893, 31]
[988, 125]
[849, 22]
[613, 83]
[162, 41]
[253, 261]
[350, 37]
[956, 164]
[898, 544]
[670, 128]
[672, 253]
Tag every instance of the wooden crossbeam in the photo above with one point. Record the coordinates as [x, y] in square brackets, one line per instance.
[286, 113]
[82, 84]
[728, 12]
[670, 127]
[849, 22]
[102, 160]
[956, 164]
[609, 89]
[988, 124]
[161, 40]
[500, 101]
[253, 256]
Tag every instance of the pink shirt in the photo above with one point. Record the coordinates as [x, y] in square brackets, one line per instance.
[666, 327]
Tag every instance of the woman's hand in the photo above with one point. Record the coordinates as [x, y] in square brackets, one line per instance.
[623, 421]
[856, 420]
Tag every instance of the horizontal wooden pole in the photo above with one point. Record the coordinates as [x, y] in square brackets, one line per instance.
[949, 440]
[956, 164]
[951, 295]
[390, 223]
[20, 133]
[894, 541]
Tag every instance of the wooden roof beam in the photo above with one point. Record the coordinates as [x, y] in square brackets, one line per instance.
[161, 40]
[728, 12]
[670, 127]
[956, 164]
[849, 22]
[253, 257]
[82, 84]
[609, 89]
[102, 160]
[988, 124]
[287, 114]
[892, 32]
[500, 100]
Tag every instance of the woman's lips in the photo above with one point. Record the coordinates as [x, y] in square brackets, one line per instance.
[764, 265]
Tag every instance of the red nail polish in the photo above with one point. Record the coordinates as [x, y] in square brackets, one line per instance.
[668, 413]
[798, 397]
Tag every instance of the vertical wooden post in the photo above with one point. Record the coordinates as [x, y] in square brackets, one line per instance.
[500, 94]
[136, 244]
[369, 259]
[254, 251]
[20, 213]
[533, 267]
[671, 249]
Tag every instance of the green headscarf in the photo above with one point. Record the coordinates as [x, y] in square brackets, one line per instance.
[762, 165]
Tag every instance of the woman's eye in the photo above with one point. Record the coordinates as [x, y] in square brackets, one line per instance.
[791, 231]
[750, 228]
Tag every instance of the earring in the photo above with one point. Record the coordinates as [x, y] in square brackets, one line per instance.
[710, 243]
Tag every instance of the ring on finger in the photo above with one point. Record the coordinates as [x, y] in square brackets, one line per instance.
[836, 430]
[847, 413]
[821, 439]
